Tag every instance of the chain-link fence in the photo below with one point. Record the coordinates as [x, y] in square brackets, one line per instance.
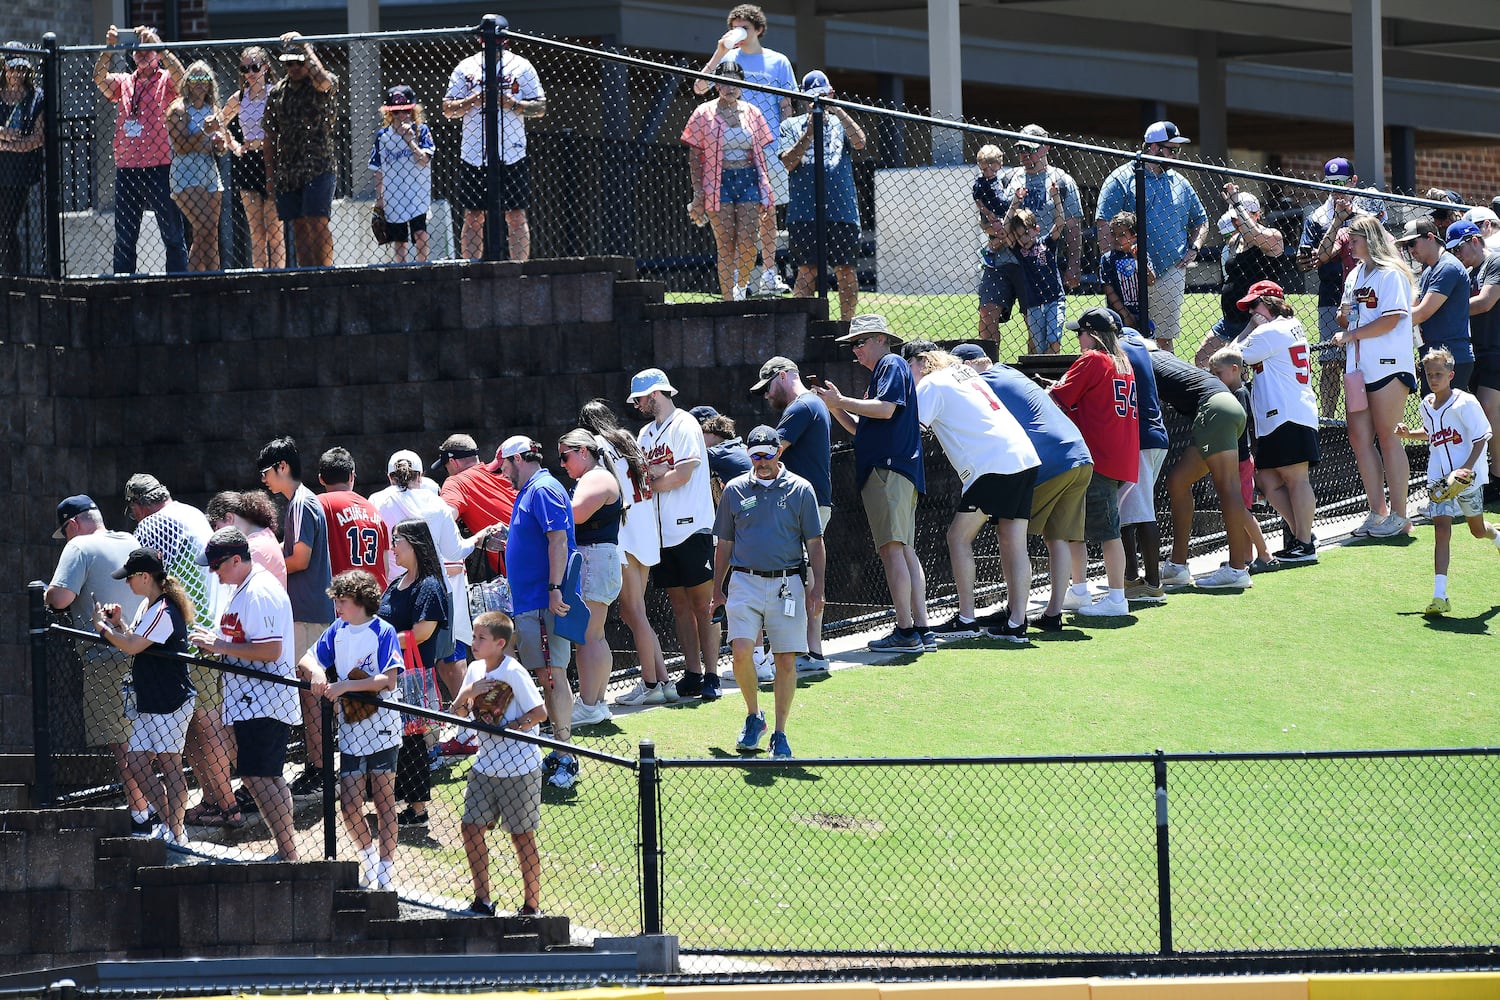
[761, 867]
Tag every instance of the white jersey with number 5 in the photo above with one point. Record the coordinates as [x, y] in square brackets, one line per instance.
[1282, 390]
[978, 434]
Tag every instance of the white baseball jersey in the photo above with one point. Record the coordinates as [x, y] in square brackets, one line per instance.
[1373, 294]
[1452, 430]
[978, 434]
[689, 508]
[1282, 392]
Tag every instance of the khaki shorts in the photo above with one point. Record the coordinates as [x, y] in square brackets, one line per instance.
[104, 670]
[1058, 505]
[529, 642]
[307, 635]
[1218, 425]
[755, 602]
[890, 501]
[514, 803]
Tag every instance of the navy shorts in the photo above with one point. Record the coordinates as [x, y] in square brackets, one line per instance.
[840, 243]
[1002, 286]
[314, 200]
[262, 747]
[515, 186]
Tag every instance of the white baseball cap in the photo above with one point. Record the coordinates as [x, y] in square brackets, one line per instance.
[1165, 132]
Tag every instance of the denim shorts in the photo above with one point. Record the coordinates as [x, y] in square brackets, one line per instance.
[314, 200]
[739, 185]
[1046, 323]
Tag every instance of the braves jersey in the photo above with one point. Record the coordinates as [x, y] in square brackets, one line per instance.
[1277, 351]
[260, 611]
[374, 648]
[689, 508]
[1452, 430]
[357, 535]
[977, 432]
[1374, 293]
[1101, 401]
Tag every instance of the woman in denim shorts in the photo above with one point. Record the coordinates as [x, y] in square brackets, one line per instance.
[597, 506]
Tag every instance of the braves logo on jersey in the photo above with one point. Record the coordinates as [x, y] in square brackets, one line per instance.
[1447, 436]
[230, 627]
[1367, 297]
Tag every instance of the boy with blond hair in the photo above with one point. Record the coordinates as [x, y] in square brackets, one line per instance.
[1458, 436]
[505, 783]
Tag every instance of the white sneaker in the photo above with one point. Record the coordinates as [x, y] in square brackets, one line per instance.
[741, 292]
[635, 696]
[809, 664]
[1175, 576]
[655, 696]
[369, 867]
[589, 715]
[1074, 601]
[1390, 526]
[1224, 578]
[1370, 524]
[765, 665]
[668, 691]
[1104, 607]
[771, 283]
[385, 874]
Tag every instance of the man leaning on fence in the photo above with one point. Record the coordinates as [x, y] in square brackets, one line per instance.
[521, 97]
[83, 579]
[888, 471]
[301, 159]
[143, 152]
[1174, 225]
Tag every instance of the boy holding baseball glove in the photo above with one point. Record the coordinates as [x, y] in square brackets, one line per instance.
[505, 783]
[362, 654]
[1457, 435]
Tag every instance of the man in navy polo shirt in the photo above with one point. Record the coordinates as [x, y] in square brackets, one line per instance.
[888, 472]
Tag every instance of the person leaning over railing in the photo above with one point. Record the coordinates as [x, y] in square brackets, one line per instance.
[727, 138]
[301, 159]
[248, 104]
[143, 151]
[198, 138]
[164, 696]
[22, 131]
[1377, 339]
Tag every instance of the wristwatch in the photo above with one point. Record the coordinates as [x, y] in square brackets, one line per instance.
[554, 586]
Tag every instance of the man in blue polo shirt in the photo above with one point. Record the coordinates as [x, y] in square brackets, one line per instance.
[536, 555]
[888, 472]
[1442, 308]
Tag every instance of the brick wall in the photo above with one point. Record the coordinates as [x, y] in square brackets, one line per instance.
[187, 377]
[1472, 171]
[29, 20]
[192, 17]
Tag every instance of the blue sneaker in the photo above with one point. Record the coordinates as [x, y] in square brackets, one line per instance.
[755, 728]
[899, 641]
[780, 748]
[929, 641]
[565, 770]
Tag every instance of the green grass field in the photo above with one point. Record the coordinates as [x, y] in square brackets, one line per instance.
[1061, 857]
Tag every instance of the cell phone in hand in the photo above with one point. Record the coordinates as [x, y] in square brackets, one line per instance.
[815, 380]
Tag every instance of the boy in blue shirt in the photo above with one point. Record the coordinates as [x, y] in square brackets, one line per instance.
[1044, 288]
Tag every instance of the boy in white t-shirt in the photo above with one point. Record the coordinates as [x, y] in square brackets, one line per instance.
[362, 654]
[1458, 435]
[505, 783]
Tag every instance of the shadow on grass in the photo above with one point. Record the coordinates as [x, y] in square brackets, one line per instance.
[1475, 625]
[763, 777]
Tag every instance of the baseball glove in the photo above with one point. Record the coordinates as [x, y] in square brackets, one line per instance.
[490, 707]
[1451, 486]
[357, 711]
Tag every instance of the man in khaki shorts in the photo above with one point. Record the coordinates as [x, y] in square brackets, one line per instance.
[888, 470]
[765, 519]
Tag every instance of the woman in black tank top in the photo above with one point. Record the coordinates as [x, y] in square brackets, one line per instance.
[597, 505]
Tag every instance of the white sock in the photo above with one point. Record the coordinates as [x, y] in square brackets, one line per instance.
[1117, 593]
[385, 872]
[1495, 537]
[140, 815]
[1440, 585]
[1081, 589]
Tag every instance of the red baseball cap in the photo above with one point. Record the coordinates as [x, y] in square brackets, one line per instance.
[1256, 291]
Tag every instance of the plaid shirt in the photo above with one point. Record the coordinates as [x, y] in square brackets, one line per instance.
[299, 122]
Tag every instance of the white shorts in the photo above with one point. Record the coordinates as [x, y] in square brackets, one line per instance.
[755, 602]
[1138, 499]
[639, 534]
[163, 733]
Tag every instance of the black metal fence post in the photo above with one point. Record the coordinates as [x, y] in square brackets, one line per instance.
[651, 876]
[1142, 241]
[820, 189]
[490, 28]
[1163, 855]
[52, 154]
[41, 728]
[330, 782]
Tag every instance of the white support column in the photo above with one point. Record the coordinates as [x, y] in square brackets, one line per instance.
[365, 93]
[1213, 114]
[945, 68]
[1368, 43]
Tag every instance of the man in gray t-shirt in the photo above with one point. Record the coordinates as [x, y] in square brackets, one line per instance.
[765, 519]
[1484, 332]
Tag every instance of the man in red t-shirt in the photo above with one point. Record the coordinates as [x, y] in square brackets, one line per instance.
[357, 535]
[480, 497]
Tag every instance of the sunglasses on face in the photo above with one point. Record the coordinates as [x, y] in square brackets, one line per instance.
[214, 566]
[251, 67]
[762, 456]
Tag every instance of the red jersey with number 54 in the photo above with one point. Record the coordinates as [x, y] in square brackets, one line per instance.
[357, 535]
[1101, 401]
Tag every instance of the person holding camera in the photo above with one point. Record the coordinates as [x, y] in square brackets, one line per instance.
[143, 149]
